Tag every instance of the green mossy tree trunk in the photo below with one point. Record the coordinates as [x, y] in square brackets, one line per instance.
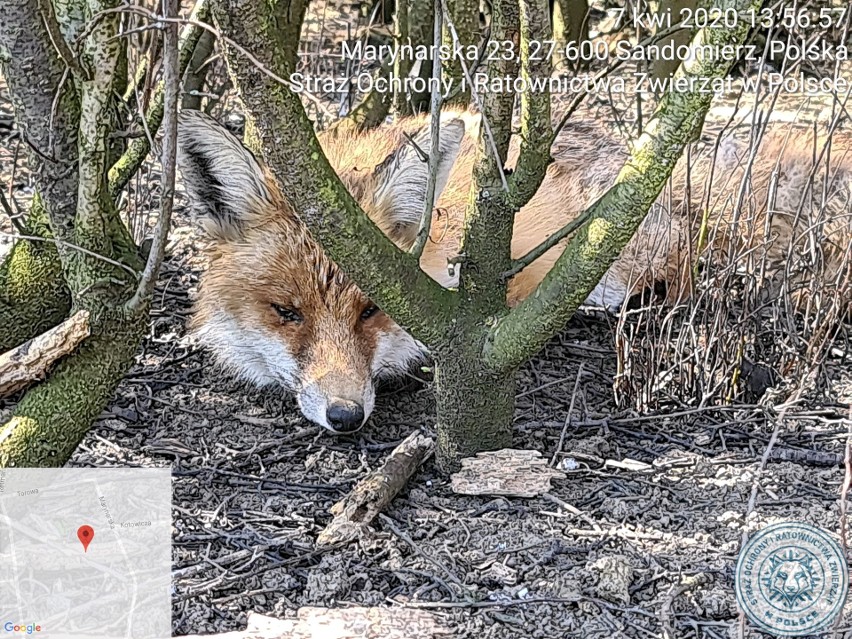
[33, 293]
[474, 403]
[99, 262]
[464, 15]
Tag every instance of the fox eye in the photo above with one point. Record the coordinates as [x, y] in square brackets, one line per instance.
[287, 314]
[369, 312]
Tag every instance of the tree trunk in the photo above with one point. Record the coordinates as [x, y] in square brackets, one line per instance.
[665, 67]
[474, 406]
[420, 28]
[52, 418]
[464, 15]
[570, 26]
[196, 73]
[99, 260]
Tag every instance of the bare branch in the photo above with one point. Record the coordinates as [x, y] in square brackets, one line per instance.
[171, 82]
[32, 360]
[58, 40]
[486, 126]
[129, 163]
[434, 152]
[536, 127]
[524, 261]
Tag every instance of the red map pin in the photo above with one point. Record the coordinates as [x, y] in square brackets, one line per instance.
[85, 534]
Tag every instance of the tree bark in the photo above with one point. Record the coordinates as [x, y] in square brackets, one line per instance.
[26, 53]
[33, 293]
[474, 406]
[665, 68]
[464, 15]
[570, 26]
[475, 403]
[51, 419]
[196, 72]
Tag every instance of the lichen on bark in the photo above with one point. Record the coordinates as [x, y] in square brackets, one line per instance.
[33, 293]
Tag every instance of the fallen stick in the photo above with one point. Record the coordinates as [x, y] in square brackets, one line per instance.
[371, 495]
[32, 360]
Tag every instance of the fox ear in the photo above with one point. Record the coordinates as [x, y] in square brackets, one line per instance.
[224, 182]
[402, 180]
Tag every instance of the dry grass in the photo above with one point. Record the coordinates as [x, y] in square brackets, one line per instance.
[750, 331]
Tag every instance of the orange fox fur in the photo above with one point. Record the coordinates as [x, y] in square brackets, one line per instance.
[277, 311]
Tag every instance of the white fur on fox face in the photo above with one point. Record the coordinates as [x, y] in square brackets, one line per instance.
[250, 353]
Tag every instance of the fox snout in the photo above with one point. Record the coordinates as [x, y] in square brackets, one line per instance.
[337, 402]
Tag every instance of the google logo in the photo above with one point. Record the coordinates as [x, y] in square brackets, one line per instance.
[28, 629]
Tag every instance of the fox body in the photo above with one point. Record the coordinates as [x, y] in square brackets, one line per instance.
[278, 312]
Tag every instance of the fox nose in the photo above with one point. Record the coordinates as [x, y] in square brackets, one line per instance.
[345, 416]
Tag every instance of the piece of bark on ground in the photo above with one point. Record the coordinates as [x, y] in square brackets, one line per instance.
[341, 623]
[508, 472]
[31, 361]
[371, 495]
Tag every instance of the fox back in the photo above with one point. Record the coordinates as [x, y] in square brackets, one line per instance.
[277, 312]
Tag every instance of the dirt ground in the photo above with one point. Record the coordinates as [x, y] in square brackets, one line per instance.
[640, 540]
[253, 484]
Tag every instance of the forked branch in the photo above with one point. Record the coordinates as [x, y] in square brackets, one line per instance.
[617, 215]
[125, 168]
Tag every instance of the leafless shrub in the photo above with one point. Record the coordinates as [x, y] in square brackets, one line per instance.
[762, 314]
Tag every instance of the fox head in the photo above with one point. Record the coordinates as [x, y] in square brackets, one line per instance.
[272, 307]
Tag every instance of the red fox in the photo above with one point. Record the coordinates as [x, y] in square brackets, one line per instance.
[276, 311]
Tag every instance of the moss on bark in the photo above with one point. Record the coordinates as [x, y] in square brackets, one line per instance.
[33, 294]
[474, 404]
[52, 418]
[464, 15]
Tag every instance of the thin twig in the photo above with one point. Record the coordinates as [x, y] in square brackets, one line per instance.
[15, 218]
[567, 417]
[524, 261]
[171, 80]
[48, 17]
[222, 37]
[435, 148]
[752, 500]
[466, 71]
[104, 258]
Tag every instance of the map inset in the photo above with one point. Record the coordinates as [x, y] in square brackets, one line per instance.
[85, 553]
